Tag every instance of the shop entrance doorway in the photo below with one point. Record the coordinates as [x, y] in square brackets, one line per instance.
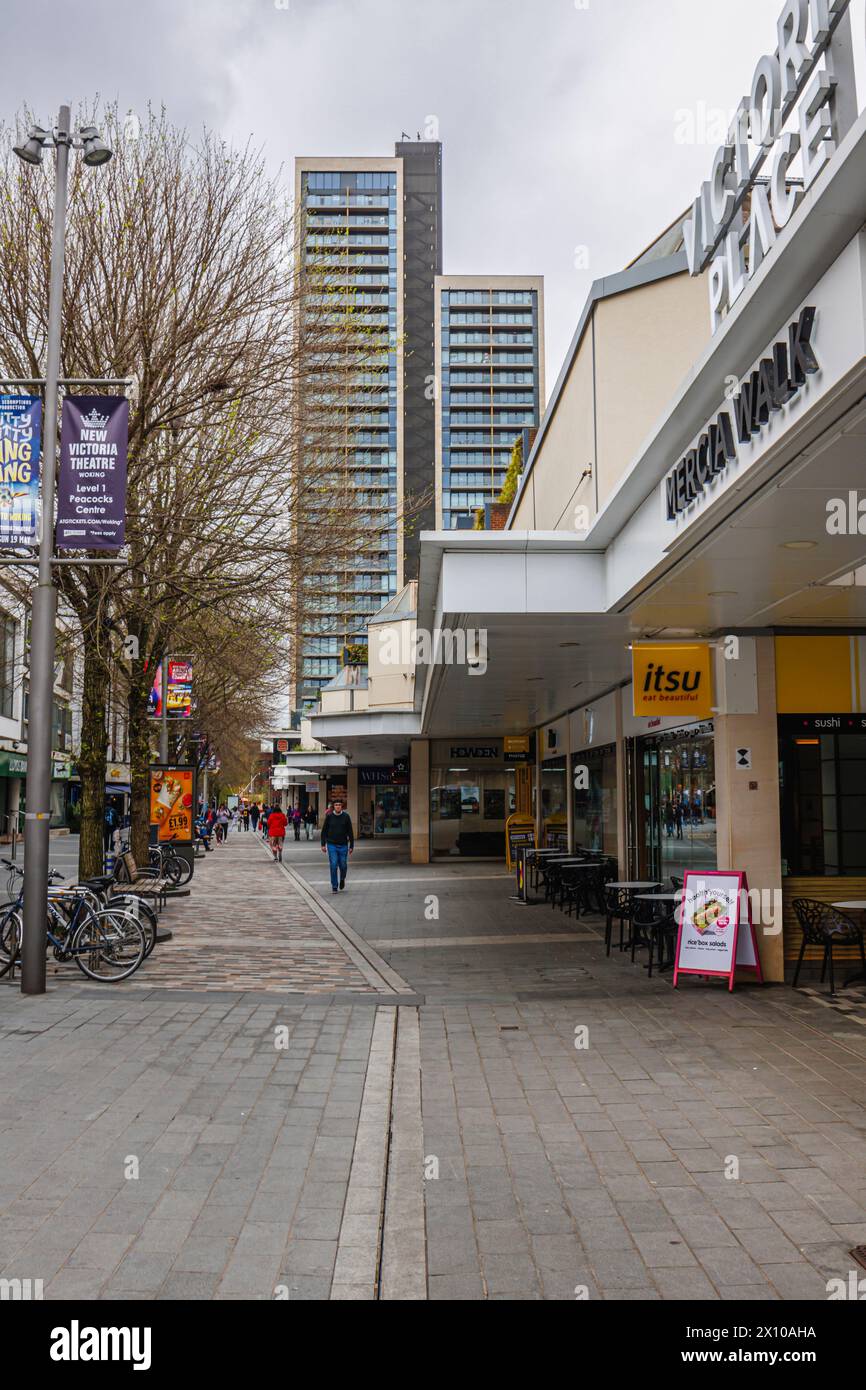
[674, 802]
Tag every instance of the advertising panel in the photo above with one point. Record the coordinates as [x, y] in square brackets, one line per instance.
[716, 932]
[179, 691]
[172, 803]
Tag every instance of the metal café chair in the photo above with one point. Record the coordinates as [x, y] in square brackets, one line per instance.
[825, 926]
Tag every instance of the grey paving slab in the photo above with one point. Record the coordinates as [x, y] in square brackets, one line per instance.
[455, 1148]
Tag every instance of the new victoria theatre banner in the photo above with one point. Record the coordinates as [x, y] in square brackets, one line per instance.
[91, 488]
[20, 432]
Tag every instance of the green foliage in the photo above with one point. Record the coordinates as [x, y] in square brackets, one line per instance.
[513, 472]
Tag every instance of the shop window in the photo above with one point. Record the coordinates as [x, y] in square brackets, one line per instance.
[7, 665]
[595, 803]
[554, 796]
[823, 807]
[469, 806]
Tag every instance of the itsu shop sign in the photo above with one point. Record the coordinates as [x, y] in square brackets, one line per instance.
[91, 489]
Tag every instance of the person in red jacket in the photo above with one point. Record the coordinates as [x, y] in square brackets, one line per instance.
[277, 833]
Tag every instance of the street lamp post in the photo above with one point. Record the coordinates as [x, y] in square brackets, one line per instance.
[44, 606]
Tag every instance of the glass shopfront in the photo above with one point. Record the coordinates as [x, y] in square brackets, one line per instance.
[472, 794]
[554, 801]
[383, 803]
[595, 804]
[675, 801]
[823, 797]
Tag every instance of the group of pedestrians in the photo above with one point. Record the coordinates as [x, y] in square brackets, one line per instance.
[337, 837]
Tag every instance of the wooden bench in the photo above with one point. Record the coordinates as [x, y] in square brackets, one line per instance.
[145, 882]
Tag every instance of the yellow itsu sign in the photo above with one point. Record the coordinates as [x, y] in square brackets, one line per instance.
[673, 678]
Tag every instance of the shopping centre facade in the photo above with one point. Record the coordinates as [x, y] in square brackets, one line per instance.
[690, 506]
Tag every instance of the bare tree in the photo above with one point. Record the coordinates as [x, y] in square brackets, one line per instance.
[181, 276]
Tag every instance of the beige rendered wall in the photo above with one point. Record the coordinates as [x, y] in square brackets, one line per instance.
[646, 340]
[636, 349]
[568, 448]
[748, 829]
[391, 680]
[419, 801]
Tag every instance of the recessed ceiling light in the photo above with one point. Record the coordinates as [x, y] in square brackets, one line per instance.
[799, 545]
[722, 593]
[569, 644]
[531, 679]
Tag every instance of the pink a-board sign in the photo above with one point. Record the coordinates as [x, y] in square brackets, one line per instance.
[716, 934]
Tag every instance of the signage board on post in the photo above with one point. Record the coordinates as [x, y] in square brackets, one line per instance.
[179, 691]
[172, 803]
[20, 432]
[91, 485]
[716, 933]
[518, 748]
[519, 835]
[672, 678]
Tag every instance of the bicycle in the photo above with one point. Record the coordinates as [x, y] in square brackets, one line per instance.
[107, 944]
[101, 888]
[172, 867]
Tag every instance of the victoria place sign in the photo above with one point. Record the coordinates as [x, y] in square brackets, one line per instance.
[809, 79]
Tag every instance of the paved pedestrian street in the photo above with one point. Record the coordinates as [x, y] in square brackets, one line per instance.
[429, 1093]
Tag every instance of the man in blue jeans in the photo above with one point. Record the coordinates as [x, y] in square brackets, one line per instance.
[338, 842]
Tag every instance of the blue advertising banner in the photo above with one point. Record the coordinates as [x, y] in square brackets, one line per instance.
[91, 488]
[20, 441]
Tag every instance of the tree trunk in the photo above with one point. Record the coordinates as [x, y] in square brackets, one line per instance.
[92, 759]
[140, 682]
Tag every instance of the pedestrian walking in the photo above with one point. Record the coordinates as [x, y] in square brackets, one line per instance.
[111, 823]
[222, 824]
[245, 817]
[254, 816]
[297, 822]
[266, 811]
[310, 819]
[338, 842]
[276, 833]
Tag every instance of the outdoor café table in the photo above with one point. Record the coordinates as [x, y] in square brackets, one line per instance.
[576, 866]
[671, 901]
[559, 862]
[857, 905]
[632, 886]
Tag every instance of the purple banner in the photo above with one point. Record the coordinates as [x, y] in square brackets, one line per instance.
[91, 487]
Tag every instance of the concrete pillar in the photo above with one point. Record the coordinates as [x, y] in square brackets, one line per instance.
[419, 801]
[323, 799]
[747, 800]
[352, 795]
[569, 796]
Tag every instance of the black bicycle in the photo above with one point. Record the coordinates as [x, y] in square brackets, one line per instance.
[107, 943]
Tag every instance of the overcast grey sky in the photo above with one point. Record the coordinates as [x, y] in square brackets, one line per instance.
[566, 149]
